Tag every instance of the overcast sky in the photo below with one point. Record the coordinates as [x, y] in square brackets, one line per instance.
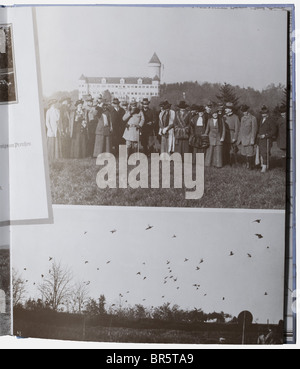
[244, 47]
[82, 234]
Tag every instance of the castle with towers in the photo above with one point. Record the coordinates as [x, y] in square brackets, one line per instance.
[125, 88]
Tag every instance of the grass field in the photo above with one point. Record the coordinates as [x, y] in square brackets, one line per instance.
[76, 332]
[73, 182]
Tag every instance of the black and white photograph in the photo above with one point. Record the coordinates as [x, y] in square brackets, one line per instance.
[8, 93]
[134, 275]
[216, 90]
[5, 299]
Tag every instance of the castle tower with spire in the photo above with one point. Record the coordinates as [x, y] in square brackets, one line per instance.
[155, 67]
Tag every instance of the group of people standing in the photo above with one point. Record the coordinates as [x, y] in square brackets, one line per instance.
[94, 127]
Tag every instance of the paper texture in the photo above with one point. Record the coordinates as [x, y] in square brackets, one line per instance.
[167, 157]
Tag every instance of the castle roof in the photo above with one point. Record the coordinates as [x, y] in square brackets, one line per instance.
[116, 80]
[156, 78]
[154, 59]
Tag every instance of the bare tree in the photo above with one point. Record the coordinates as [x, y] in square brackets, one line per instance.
[19, 288]
[56, 288]
[79, 297]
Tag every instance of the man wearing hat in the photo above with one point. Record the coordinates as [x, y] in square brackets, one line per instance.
[91, 108]
[65, 114]
[103, 132]
[182, 129]
[134, 119]
[148, 127]
[53, 124]
[265, 134]
[232, 128]
[166, 127]
[118, 125]
[280, 130]
[247, 136]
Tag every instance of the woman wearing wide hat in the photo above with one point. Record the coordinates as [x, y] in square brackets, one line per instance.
[182, 129]
[79, 131]
[215, 130]
[198, 141]
[54, 130]
[247, 136]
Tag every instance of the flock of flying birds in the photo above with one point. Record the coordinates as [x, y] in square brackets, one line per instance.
[170, 274]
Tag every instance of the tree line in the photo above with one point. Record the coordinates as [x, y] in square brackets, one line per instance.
[272, 96]
[60, 294]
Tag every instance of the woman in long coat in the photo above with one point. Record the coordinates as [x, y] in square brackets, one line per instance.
[198, 129]
[215, 130]
[79, 131]
[53, 124]
[182, 129]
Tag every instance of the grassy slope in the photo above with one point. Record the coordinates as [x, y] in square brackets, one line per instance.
[74, 183]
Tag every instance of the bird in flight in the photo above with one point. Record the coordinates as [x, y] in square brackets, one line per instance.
[257, 221]
[249, 255]
[185, 260]
[86, 262]
[259, 236]
[231, 254]
[168, 262]
[145, 278]
[174, 236]
[108, 262]
[42, 276]
[25, 269]
[85, 232]
[138, 273]
[113, 231]
[223, 298]
[50, 258]
[149, 227]
[201, 261]
[197, 268]
[266, 293]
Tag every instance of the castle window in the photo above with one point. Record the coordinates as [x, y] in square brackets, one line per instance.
[140, 81]
[122, 81]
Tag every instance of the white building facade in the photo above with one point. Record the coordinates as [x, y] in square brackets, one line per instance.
[124, 88]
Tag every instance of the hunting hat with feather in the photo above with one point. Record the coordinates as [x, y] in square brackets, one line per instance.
[182, 105]
[245, 108]
[283, 109]
[264, 110]
[79, 102]
[165, 104]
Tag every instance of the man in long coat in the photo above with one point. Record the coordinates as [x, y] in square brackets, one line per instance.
[232, 127]
[117, 113]
[265, 134]
[280, 133]
[148, 127]
[166, 128]
[247, 136]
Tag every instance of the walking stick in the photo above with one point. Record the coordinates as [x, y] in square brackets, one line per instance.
[268, 153]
